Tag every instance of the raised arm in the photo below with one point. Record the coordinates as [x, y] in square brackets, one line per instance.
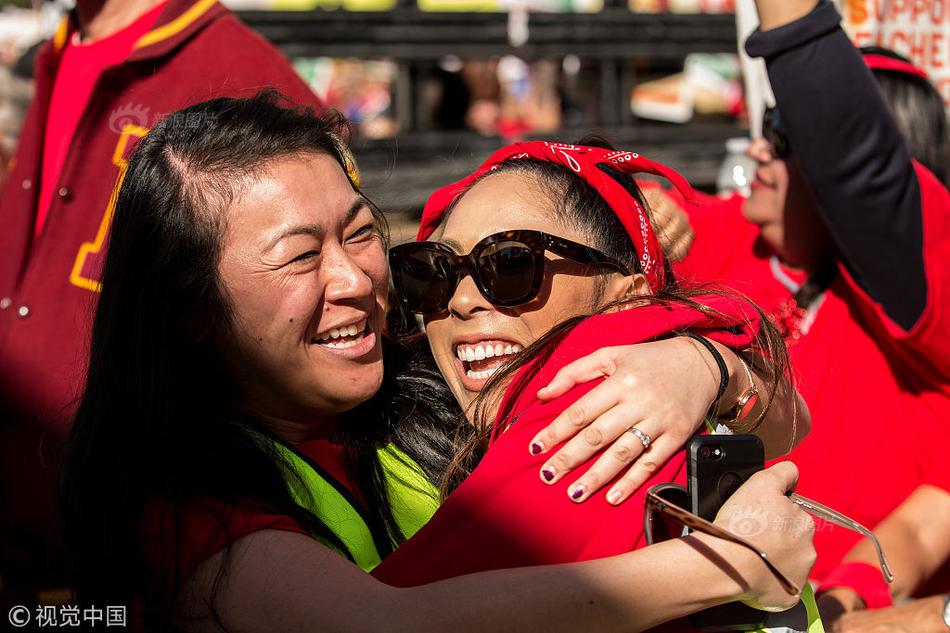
[916, 537]
[285, 582]
[850, 150]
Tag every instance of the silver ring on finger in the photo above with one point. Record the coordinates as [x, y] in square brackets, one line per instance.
[640, 435]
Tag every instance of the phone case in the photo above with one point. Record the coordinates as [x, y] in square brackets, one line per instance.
[712, 478]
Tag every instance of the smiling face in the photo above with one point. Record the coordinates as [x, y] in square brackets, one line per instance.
[782, 207]
[305, 273]
[473, 338]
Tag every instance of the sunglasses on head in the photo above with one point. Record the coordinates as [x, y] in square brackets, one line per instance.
[774, 131]
[507, 268]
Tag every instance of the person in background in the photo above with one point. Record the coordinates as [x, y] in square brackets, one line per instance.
[918, 108]
[844, 240]
[21, 31]
[916, 537]
[111, 71]
[605, 283]
[852, 597]
[918, 111]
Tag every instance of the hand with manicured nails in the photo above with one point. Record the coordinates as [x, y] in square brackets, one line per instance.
[663, 388]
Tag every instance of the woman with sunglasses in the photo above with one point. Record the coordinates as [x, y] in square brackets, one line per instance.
[668, 389]
[550, 247]
[239, 455]
[844, 239]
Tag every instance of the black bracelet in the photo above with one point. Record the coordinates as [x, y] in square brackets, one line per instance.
[723, 370]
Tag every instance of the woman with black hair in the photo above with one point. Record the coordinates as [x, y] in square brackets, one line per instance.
[549, 247]
[238, 446]
[845, 240]
[918, 109]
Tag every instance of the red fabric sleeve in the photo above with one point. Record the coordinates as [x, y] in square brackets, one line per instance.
[938, 474]
[503, 516]
[257, 64]
[927, 340]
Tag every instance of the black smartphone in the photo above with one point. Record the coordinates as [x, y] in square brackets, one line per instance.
[716, 466]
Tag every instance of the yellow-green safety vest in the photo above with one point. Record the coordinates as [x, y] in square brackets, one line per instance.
[412, 497]
[414, 500]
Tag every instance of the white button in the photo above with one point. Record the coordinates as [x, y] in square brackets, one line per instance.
[23, 311]
[63, 192]
[27, 184]
[5, 303]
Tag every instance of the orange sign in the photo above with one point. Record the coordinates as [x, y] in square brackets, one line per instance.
[917, 29]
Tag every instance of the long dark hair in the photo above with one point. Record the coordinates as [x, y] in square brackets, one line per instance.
[919, 112]
[578, 205]
[157, 420]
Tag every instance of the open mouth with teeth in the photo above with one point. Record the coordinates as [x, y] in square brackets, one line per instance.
[481, 360]
[342, 337]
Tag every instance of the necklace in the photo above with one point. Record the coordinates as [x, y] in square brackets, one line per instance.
[793, 320]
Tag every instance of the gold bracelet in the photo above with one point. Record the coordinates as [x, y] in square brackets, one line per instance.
[744, 405]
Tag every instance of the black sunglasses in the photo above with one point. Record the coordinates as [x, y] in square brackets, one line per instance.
[774, 131]
[507, 267]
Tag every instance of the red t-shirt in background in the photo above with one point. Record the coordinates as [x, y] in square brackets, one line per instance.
[79, 70]
[879, 397]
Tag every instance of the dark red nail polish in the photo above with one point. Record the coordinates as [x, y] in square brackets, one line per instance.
[536, 448]
[578, 493]
[547, 473]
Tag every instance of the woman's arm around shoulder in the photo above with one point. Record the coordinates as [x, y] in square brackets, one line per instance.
[282, 582]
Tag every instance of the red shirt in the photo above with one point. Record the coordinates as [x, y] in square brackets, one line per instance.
[879, 397]
[209, 526]
[502, 516]
[79, 70]
[195, 50]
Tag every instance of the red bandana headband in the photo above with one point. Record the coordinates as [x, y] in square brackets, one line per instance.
[583, 161]
[883, 62]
